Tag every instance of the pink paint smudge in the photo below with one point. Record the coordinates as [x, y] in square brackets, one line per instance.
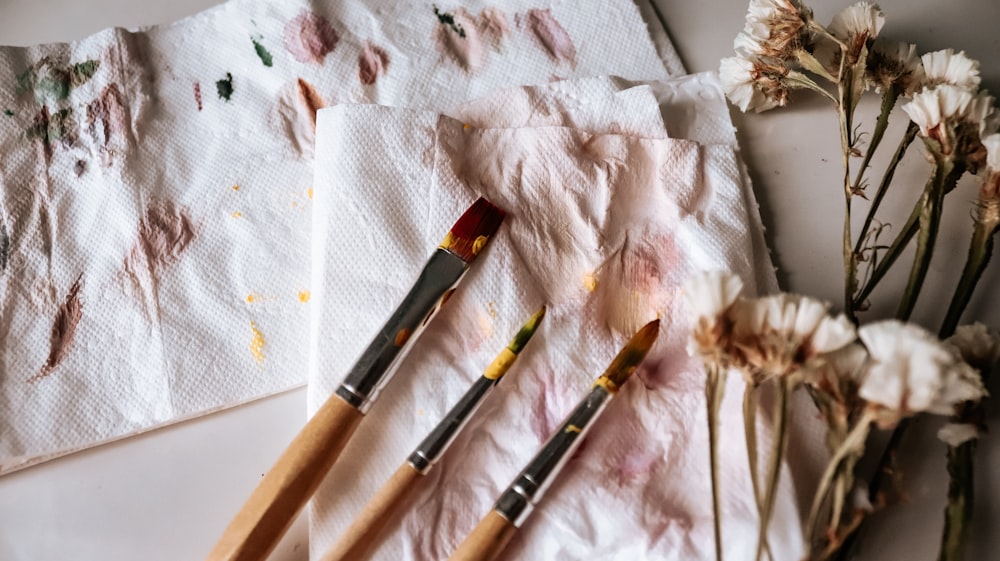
[164, 233]
[63, 331]
[309, 37]
[107, 117]
[372, 63]
[197, 94]
[638, 462]
[549, 34]
[630, 291]
[492, 25]
[457, 37]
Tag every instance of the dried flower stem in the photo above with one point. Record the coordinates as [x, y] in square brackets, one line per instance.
[980, 249]
[883, 187]
[853, 444]
[958, 511]
[782, 411]
[902, 239]
[931, 204]
[881, 124]
[845, 112]
[750, 434]
[714, 388]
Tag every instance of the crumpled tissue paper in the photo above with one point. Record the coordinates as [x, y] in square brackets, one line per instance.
[607, 218]
[156, 186]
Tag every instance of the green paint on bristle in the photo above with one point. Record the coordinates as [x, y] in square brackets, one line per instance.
[527, 330]
[262, 52]
[632, 354]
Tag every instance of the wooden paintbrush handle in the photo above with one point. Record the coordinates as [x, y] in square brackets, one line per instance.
[487, 539]
[286, 488]
[363, 533]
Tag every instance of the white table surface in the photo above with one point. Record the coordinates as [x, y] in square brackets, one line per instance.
[168, 494]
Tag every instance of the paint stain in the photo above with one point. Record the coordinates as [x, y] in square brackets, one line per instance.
[164, 233]
[63, 331]
[492, 25]
[491, 308]
[262, 52]
[636, 464]
[311, 101]
[304, 296]
[632, 293]
[4, 245]
[224, 87]
[8, 112]
[372, 63]
[253, 297]
[51, 81]
[235, 187]
[256, 343]
[550, 35]
[197, 94]
[297, 109]
[51, 129]
[590, 282]
[237, 214]
[309, 193]
[107, 117]
[457, 38]
[309, 37]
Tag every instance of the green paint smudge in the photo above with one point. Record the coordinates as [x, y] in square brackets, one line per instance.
[48, 80]
[55, 127]
[8, 112]
[225, 87]
[262, 52]
[447, 19]
[4, 246]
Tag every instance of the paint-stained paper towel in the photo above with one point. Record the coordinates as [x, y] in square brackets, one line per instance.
[156, 190]
[614, 198]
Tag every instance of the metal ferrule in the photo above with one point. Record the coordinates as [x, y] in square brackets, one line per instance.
[379, 361]
[517, 502]
[438, 441]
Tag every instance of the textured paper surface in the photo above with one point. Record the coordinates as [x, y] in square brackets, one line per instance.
[607, 218]
[156, 190]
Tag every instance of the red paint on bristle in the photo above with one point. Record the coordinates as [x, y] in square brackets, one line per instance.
[482, 219]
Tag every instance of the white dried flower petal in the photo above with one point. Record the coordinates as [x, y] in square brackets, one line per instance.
[982, 112]
[838, 373]
[976, 343]
[949, 67]
[939, 105]
[992, 145]
[911, 371]
[956, 434]
[750, 42]
[861, 20]
[766, 9]
[711, 293]
[739, 80]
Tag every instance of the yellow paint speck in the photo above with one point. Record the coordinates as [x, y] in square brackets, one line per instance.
[309, 193]
[257, 344]
[572, 428]
[295, 204]
[590, 282]
[236, 187]
[420, 412]
[237, 214]
[466, 126]
[491, 308]
[304, 296]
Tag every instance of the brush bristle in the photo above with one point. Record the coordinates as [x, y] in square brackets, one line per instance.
[631, 355]
[473, 230]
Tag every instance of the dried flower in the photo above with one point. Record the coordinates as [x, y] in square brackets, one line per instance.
[949, 67]
[774, 28]
[838, 374]
[911, 371]
[977, 344]
[956, 434]
[779, 334]
[895, 64]
[857, 25]
[710, 295]
[752, 84]
[938, 106]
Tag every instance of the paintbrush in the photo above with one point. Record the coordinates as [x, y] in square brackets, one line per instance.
[361, 536]
[496, 529]
[286, 488]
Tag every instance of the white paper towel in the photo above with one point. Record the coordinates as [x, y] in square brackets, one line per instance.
[155, 190]
[607, 218]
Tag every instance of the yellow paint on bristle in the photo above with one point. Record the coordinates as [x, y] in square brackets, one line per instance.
[607, 384]
[500, 365]
[304, 296]
[590, 282]
[257, 344]
[237, 214]
[573, 428]
[479, 244]
[309, 193]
